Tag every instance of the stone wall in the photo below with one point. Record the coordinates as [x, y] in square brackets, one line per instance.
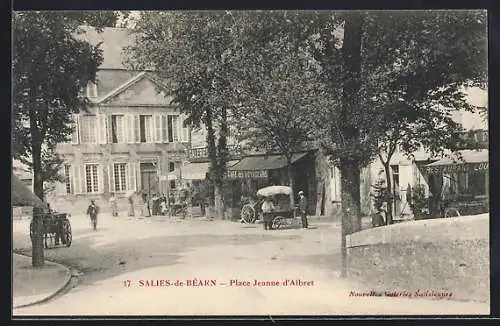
[435, 255]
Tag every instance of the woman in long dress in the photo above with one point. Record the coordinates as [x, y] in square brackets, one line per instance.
[131, 211]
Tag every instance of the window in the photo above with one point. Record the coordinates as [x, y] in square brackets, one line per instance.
[88, 129]
[171, 168]
[67, 179]
[120, 177]
[91, 90]
[91, 178]
[118, 128]
[173, 130]
[146, 128]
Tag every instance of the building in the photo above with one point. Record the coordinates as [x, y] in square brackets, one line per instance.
[414, 171]
[128, 140]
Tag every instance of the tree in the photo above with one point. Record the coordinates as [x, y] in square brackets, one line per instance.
[192, 54]
[374, 62]
[276, 90]
[415, 86]
[50, 68]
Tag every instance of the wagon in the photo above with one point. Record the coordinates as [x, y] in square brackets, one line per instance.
[56, 230]
[283, 216]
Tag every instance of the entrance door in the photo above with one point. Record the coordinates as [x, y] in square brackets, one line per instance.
[149, 179]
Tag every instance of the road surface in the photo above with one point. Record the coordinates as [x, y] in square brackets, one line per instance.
[163, 267]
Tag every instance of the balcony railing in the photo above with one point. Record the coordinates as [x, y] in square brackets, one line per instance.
[202, 152]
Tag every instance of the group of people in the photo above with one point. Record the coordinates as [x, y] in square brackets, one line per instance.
[268, 208]
[157, 205]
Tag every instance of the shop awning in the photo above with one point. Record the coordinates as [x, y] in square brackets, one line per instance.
[194, 171]
[461, 161]
[263, 163]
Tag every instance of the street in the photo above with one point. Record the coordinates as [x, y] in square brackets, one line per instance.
[160, 267]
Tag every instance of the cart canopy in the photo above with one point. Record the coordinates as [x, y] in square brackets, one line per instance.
[274, 190]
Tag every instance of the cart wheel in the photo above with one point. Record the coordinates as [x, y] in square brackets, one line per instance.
[247, 214]
[277, 223]
[66, 234]
[451, 212]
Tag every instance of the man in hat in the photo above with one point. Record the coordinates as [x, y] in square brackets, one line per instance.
[303, 209]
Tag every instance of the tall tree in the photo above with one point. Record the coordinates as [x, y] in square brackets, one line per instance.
[192, 53]
[276, 90]
[50, 68]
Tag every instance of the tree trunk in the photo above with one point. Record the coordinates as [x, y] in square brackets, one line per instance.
[349, 164]
[36, 152]
[291, 183]
[219, 201]
[387, 168]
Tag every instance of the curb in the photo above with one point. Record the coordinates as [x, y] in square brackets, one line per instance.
[64, 284]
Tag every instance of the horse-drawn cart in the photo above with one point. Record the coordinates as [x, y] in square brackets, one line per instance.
[56, 230]
[282, 216]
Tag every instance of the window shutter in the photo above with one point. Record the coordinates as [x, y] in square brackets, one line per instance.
[74, 136]
[150, 128]
[164, 131]
[77, 179]
[129, 122]
[157, 127]
[111, 177]
[130, 172]
[179, 128]
[101, 128]
[109, 129]
[184, 130]
[100, 179]
[137, 129]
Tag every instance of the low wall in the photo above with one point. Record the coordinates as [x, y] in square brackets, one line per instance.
[442, 255]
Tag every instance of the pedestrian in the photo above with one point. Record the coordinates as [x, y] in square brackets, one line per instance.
[303, 209]
[156, 204]
[92, 211]
[163, 207]
[267, 208]
[145, 205]
[131, 211]
[114, 207]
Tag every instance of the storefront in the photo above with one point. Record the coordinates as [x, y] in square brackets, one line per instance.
[257, 171]
[462, 180]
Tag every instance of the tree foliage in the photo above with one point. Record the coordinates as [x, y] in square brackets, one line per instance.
[192, 54]
[50, 68]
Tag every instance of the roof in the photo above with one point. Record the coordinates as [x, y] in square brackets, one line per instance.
[114, 41]
[265, 162]
[21, 195]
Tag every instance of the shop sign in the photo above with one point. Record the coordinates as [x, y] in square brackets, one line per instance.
[458, 168]
[247, 174]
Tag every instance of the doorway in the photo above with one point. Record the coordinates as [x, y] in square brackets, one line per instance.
[149, 179]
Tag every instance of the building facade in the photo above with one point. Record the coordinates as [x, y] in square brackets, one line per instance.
[129, 139]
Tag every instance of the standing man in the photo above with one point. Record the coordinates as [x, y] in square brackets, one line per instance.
[92, 211]
[267, 208]
[303, 209]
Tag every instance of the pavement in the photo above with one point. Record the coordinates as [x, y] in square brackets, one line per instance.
[158, 266]
[34, 285]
